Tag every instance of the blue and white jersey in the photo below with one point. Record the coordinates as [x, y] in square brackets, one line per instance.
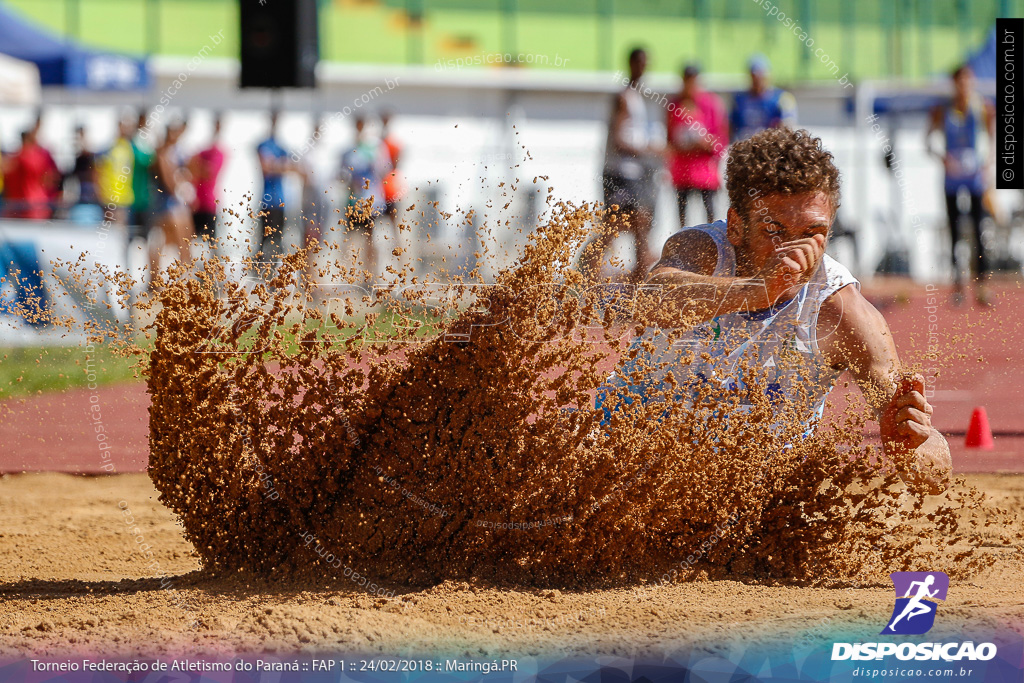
[753, 113]
[782, 340]
[964, 132]
[273, 183]
[364, 168]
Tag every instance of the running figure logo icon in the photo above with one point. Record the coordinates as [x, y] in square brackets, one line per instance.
[916, 592]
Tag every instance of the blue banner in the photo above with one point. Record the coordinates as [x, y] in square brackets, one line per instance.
[902, 659]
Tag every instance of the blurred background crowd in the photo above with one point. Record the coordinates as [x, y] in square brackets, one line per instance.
[413, 122]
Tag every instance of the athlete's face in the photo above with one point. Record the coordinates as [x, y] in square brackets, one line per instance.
[637, 65]
[758, 80]
[772, 220]
[964, 83]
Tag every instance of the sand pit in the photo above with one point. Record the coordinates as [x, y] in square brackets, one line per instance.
[74, 581]
[466, 496]
[288, 442]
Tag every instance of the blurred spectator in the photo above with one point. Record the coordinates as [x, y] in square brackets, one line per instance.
[55, 179]
[394, 187]
[627, 174]
[315, 206]
[84, 170]
[205, 167]
[141, 218]
[363, 168]
[31, 178]
[115, 172]
[170, 212]
[697, 137]
[962, 122]
[274, 163]
[762, 106]
[85, 204]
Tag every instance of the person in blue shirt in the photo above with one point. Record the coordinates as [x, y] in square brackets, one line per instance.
[966, 123]
[274, 163]
[363, 169]
[762, 106]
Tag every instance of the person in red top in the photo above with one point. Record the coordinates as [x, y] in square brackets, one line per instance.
[394, 187]
[205, 167]
[31, 179]
[697, 137]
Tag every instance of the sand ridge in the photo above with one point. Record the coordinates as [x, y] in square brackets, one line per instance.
[73, 581]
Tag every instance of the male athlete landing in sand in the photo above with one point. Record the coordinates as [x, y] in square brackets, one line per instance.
[914, 606]
[762, 278]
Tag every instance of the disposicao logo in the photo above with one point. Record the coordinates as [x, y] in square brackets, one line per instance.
[916, 592]
[914, 614]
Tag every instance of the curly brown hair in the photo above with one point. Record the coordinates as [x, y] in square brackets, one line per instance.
[779, 160]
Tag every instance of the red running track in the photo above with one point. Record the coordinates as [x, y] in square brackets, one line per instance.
[59, 431]
[981, 363]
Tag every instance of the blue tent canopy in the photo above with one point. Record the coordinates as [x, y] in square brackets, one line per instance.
[983, 62]
[66, 63]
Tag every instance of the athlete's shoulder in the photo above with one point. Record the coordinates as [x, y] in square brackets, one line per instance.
[784, 100]
[847, 321]
[691, 249]
[979, 104]
[836, 275]
[708, 100]
[846, 297]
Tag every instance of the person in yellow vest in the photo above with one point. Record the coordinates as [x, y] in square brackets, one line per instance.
[114, 172]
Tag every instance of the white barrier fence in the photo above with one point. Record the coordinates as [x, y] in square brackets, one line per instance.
[37, 259]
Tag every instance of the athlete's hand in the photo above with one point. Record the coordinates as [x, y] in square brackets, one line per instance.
[791, 266]
[906, 422]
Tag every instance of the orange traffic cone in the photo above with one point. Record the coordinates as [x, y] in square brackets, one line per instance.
[979, 434]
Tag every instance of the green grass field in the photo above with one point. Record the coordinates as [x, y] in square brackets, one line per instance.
[34, 370]
[29, 371]
[865, 38]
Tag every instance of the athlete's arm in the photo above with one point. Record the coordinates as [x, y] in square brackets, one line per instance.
[618, 123]
[990, 128]
[934, 125]
[735, 120]
[168, 171]
[855, 337]
[197, 167]
[681, 292]
[670, 126]
[787, 109]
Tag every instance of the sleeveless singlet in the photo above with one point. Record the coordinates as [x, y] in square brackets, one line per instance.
[963, 132]
[784, 338]
[635, 132]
